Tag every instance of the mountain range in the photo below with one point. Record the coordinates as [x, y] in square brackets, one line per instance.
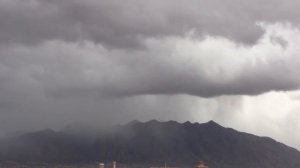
[151, 143]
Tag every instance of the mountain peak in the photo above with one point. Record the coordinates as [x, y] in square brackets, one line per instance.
[134, 122]
[187, 123]
[211, 122]
[153, 122]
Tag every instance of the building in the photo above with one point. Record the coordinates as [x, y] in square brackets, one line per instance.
[201, 165]
[165, 166]
[101, 165]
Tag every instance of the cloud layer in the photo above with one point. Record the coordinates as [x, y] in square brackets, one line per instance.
[125, 23]
[206, 67]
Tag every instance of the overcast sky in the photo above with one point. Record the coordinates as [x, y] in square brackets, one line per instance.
[112, 61]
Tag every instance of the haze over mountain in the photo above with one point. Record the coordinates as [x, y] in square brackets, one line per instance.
[152, 142]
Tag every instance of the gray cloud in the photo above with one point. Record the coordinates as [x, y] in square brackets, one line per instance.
[174, 65]
[126, 23]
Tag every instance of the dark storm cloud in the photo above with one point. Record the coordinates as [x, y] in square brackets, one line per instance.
[120, 23]
[51, 43]
[173, 65]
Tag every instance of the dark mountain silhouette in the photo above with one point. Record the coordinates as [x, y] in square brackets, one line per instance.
[153, 142]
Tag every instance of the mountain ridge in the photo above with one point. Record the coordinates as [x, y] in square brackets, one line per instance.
[154, 142]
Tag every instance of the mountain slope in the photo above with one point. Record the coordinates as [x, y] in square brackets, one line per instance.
[155, 142]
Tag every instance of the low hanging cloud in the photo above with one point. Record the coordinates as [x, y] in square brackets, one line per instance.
[118, 48]
[207, 67]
